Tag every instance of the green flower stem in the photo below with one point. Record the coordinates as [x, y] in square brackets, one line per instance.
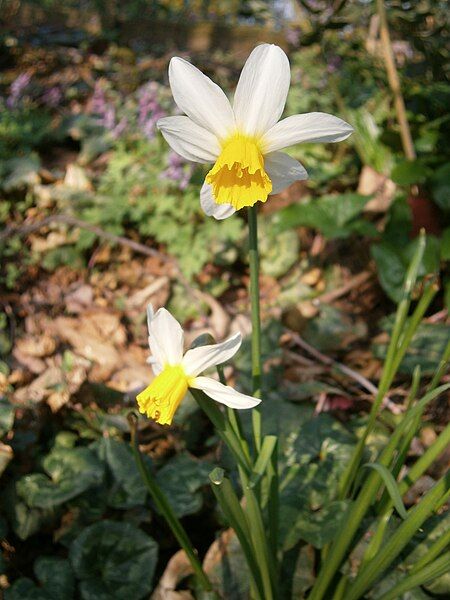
[236, 517]
[233, 416]
[225, 429]
[274, 504]
[256, 320]
[162, 504]
[259, 540]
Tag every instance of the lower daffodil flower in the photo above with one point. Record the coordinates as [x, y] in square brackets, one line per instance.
[243, 140]
[176, 372]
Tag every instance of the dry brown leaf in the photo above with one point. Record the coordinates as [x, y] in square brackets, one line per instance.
[177, 569]
[38, 346]
[79, 299]
[52, 240]
[40, 387]
[219, 320]
[383, 188]
[312, 277]
[33, 364]
[57, 400]
[76, 178]
[6, 455]
[141, 298]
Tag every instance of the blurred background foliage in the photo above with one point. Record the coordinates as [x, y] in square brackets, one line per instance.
[82, 85]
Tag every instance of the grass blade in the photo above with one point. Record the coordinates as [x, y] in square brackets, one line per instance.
[264, 456]
[419, 577]
[395, 544]
[391, 487]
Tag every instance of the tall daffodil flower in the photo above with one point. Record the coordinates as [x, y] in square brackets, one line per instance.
[176, 372]
[243, 140]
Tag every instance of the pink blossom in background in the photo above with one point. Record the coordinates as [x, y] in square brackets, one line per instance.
[178, 171]
[149, 109]
[16, 91]
[52, 97]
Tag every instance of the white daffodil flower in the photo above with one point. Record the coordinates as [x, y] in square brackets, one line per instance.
[175, 371]
[243, 140]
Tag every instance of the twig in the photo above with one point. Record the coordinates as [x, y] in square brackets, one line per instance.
[338, 292]
[363, 382]
[394, 83]
[27, 228]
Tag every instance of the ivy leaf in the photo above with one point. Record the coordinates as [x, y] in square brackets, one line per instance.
[425, 350]
[126, 489]
[6, 416]
[25, 521]
[56, 582]
[114, 560]
[409, 172]
[336, 216]
[181, 479]
[70, 472]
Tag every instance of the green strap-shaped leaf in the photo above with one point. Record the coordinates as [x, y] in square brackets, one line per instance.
[415, 578]
[268, 445]
[391, 486]
[232, 509]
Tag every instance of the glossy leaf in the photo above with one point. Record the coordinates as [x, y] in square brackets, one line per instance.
[114, 560]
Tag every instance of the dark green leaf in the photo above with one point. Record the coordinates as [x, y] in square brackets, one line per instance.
[56, 582]
[114, 560]
[391, 269]
[335, 216]
[126, 489]
[441, 187]
[181, 479]
[6, 416]
[409, 172]
[445, 243]
[70, 471]
[333, 329]
[426, 348]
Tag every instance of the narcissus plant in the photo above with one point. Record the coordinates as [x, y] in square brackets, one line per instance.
[243, 140]
[176, 371]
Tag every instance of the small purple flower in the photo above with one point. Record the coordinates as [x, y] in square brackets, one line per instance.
[52, 97]
[293, 36]
[120, 128]
[149, 109]
[333, 64]
[178, 171]
[104, 110]
[98, 100]
[17, 89]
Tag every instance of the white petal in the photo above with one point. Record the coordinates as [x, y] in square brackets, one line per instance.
[166, 338]
[156, 366]
[262, 89]
[224, 393]
[199, 359]
[158, 357]
[189, 140]
[310, 127]
[283, 170]
[200, 98]
[209, 206]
